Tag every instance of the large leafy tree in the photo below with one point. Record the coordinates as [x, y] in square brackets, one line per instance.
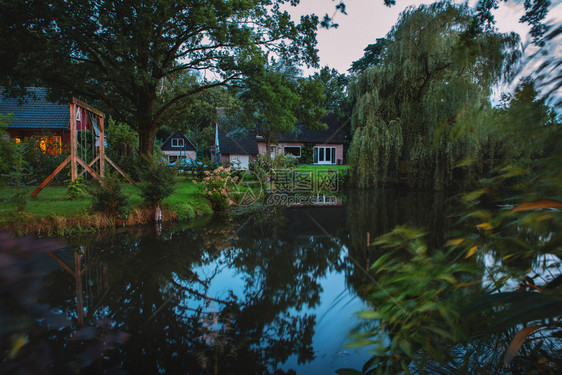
[428, 81]
[119, 52]
[335, 90]
[277, 99]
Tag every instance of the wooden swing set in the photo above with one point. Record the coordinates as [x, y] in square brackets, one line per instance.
[74, 159]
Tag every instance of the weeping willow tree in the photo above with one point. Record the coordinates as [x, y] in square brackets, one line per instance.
[423, 101]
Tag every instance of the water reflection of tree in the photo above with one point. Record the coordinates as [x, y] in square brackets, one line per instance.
[281, 279]
[509, 309]
[158, 290]
[379, 211]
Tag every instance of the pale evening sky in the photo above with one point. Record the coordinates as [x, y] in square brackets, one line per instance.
[367, 20]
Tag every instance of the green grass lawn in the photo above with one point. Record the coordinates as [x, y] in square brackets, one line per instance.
[328, 167]
[53, 201]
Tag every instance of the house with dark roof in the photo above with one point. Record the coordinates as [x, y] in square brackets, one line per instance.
[236, 147]
[240, 146]
[36, 116]
[178, 146]
[327, 144]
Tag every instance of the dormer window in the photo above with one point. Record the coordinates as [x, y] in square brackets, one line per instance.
[177, 142]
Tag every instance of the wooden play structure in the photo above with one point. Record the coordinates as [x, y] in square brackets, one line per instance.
[74, 159]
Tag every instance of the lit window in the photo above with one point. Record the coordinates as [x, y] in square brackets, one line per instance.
[177, 142]
[51, 145]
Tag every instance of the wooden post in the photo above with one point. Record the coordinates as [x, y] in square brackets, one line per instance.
[102, 147]
[79, 297]
[73, 172]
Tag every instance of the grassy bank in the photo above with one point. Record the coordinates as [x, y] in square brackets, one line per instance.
[50, 212]
[327, 167]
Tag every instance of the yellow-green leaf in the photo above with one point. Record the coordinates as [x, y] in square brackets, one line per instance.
[471, 252]
[485, 226]
[18, 342]
[455, 242]
[537, 205]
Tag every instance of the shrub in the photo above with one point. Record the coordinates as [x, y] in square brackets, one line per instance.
[75, 188]
[107, 197]
[290, 161]
[19, 177]
[306, 154]
[216, 186]
[7, 147]
[157, 180]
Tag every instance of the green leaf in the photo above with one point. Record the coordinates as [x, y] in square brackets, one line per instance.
[406, 347]
[370, 315]
[359, 343]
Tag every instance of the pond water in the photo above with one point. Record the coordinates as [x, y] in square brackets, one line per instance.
[272, 291]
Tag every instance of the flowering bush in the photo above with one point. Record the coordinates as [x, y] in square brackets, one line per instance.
[216, 187]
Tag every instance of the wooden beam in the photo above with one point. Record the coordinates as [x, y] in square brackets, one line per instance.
[82, 104]
[89, 165]
[79, 298]
[120, 171]
[61, 263]
[72, 125]
[90, 170]
[51, 176]
[102, 147]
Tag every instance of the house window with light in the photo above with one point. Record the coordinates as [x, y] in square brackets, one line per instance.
[177, 142]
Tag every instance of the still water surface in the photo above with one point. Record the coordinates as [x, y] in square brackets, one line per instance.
[272, 291]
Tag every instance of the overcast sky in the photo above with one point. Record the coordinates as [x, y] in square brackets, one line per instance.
[367, 20]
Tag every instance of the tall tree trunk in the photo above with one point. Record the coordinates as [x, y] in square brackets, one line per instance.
[146, 139]
[147, 125]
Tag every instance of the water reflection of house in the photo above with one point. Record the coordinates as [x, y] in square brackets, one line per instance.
[36, 116]
[315, 221]
[240, 146]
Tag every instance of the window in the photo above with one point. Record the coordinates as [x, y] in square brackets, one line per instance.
[292, 150]
[177, 142]
[78, 114]
[324, 155]
[51, 145]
